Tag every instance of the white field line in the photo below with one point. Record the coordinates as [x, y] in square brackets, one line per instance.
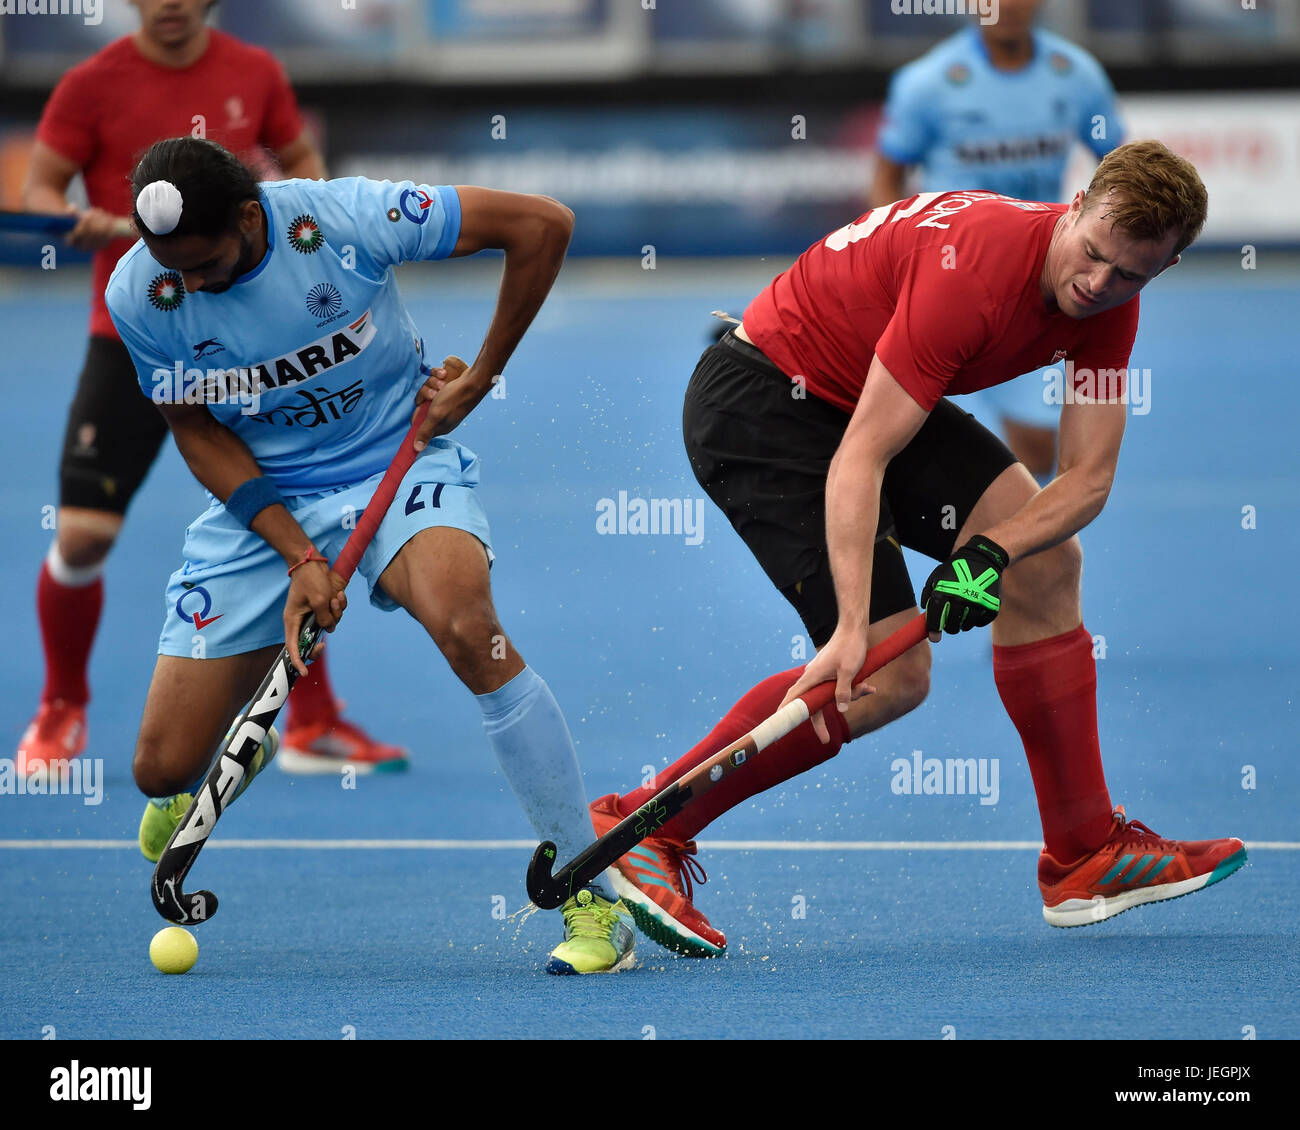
[494, 845]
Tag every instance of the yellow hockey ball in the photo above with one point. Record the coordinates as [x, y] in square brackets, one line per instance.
[174, 950]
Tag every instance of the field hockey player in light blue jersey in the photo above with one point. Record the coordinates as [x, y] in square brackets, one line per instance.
[314, 372]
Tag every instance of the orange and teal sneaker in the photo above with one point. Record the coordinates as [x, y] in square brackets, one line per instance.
[327, 747]
[654, 880]
[1132, 867]
[57, 733]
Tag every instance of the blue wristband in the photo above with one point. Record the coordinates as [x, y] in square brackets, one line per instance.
[250, 498]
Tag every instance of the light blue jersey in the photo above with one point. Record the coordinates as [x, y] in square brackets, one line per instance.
[310, 358]
[970, 125]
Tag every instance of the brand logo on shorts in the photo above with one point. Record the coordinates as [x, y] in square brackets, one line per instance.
[199, 617]
[166, 291]
[324, 300]
[305, 234]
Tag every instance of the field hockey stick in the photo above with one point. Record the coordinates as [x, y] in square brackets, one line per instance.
[37, 223]
[46, 223]
[548, 890]
[231, 764]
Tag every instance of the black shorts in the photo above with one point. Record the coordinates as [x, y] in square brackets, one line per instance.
[114, 432]
[763, 454]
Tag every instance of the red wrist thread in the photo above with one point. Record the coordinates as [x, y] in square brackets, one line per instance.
[312, 555]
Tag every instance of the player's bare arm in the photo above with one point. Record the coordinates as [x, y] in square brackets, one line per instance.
[221, 461]
[885, 420]
[887, 184]
[300, 159]
[1090, 441]
[46, 190]
[534, 233]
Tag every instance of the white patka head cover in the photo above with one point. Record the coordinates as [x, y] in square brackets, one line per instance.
[159, 206]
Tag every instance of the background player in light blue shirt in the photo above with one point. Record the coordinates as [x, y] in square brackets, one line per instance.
[998, 107]
[265, 322]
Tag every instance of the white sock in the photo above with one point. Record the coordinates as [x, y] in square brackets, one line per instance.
[71, 576]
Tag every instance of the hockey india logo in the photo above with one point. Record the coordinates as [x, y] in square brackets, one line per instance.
[394, 214]
[324, 300]
[305, 234]
[166, 291]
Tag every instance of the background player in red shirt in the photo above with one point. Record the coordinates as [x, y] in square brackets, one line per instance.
[173, 77]
[821, 427]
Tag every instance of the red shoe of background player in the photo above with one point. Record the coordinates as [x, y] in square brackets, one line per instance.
[1132, 867]
[327, 747]
[57, 733]
[654, 882]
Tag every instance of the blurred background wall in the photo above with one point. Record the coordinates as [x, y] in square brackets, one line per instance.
[706, 127]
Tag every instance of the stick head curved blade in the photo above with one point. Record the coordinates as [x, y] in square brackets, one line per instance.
[542, 888]
[184, 909]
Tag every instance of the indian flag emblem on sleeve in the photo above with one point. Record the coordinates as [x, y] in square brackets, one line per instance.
[166, 291]
[305, 235]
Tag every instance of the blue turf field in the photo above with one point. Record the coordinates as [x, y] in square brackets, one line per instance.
[646, 641]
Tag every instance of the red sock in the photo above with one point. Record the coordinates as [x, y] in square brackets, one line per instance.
[795, 753]
[68, 616]
[311, 701]
[1050, 691]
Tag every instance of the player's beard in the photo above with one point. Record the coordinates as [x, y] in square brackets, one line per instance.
[245, 263]
[247, 257]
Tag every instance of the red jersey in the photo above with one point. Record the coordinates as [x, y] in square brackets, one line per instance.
[944, 288]
[108, 110]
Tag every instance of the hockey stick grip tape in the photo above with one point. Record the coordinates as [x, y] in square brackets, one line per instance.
[776, 726]
[889, 649]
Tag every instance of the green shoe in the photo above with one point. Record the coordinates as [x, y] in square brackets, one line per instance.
[598, 936]
[162, 814]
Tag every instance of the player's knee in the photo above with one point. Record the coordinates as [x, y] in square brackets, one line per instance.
[1066, 566]
[86, 536]
[472, 640]
[156, 773]
[82, 549]
[900, 687]
[912, 682]
[1036, 580]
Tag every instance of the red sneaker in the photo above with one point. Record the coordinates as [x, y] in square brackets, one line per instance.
[326, 747]
[654, 881]
[57, 733]
[1132, 867]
